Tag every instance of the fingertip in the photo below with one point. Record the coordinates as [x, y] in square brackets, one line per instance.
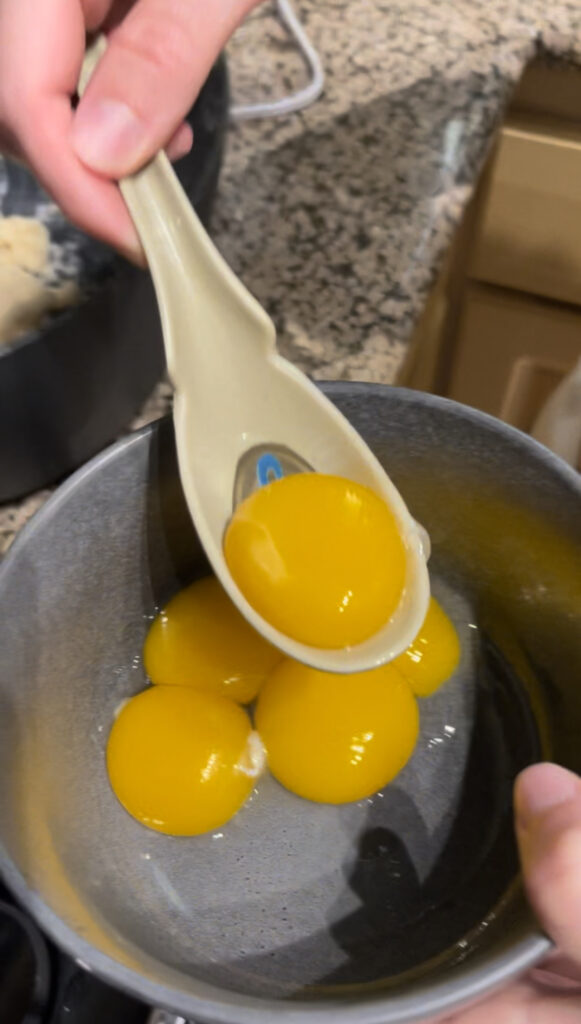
[96, 207]
[548, 829]
[106, 217]
[181, 143]
[540, 788]
[108, 137]
[133, 255]
[90, 201]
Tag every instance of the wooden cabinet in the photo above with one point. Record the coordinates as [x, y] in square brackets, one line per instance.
[529, 232]
[504, 323]
[511, 351]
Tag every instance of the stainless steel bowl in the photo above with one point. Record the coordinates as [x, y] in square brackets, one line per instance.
[391, 911]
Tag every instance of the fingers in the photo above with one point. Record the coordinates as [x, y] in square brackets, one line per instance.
[181, 143]
[548, 824]
[91, 202]
[156, 62]
[105, 13]
[41, 50]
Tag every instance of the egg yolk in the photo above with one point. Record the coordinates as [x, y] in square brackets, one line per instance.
[434, 654]
[334, 739]
[181, 761]
[319, 557]
[200, 639]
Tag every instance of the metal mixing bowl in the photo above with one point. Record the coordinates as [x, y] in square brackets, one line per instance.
[385, 911]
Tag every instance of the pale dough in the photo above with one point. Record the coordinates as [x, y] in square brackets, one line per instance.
[25, 298]
[24, 242]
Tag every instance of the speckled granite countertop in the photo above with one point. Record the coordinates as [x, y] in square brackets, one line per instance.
[337, 217]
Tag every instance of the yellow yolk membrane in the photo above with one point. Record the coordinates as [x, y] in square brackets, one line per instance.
[334, 739]
[434, 654]
[181, 761]
[200, 639]
[321, 558]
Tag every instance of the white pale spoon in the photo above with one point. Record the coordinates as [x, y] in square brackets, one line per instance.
[242, 413]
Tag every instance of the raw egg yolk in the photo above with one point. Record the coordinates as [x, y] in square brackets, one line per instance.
[334, 739]
[181, 761]
[200, 639]
[319, 557]
[434, 654]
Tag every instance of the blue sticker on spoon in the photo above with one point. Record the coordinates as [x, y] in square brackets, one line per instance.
[263, 464]
[268, 468]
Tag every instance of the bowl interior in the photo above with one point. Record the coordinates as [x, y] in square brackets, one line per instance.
[292, 899]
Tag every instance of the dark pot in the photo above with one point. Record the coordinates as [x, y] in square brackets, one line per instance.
[68, 389]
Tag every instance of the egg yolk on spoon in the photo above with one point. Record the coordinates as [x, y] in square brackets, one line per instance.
[334, 739]
[321, 558]
[200, 639]
[181, 761]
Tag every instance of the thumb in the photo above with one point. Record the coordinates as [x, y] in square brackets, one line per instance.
[154, 67]
[548, 826]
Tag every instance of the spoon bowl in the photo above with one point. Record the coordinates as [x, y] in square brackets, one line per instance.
[237, 400]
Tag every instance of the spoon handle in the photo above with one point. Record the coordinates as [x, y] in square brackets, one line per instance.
[188, 272]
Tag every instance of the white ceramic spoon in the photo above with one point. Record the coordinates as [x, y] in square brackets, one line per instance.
[242, 412]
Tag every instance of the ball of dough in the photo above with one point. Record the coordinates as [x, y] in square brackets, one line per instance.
[24, 241]
[25, 298]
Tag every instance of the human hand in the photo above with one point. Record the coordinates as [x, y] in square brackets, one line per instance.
[159, 54]
[548, 828]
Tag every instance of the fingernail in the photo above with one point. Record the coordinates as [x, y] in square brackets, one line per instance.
[108, 137]
[542, 787]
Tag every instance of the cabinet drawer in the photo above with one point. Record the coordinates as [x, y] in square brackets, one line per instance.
[531, 381]
[496, 332]
[529, 231]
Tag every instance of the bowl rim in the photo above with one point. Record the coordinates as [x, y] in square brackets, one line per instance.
[408, 396]
[224, 1006]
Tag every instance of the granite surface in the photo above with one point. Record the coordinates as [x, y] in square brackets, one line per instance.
[337, 217]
